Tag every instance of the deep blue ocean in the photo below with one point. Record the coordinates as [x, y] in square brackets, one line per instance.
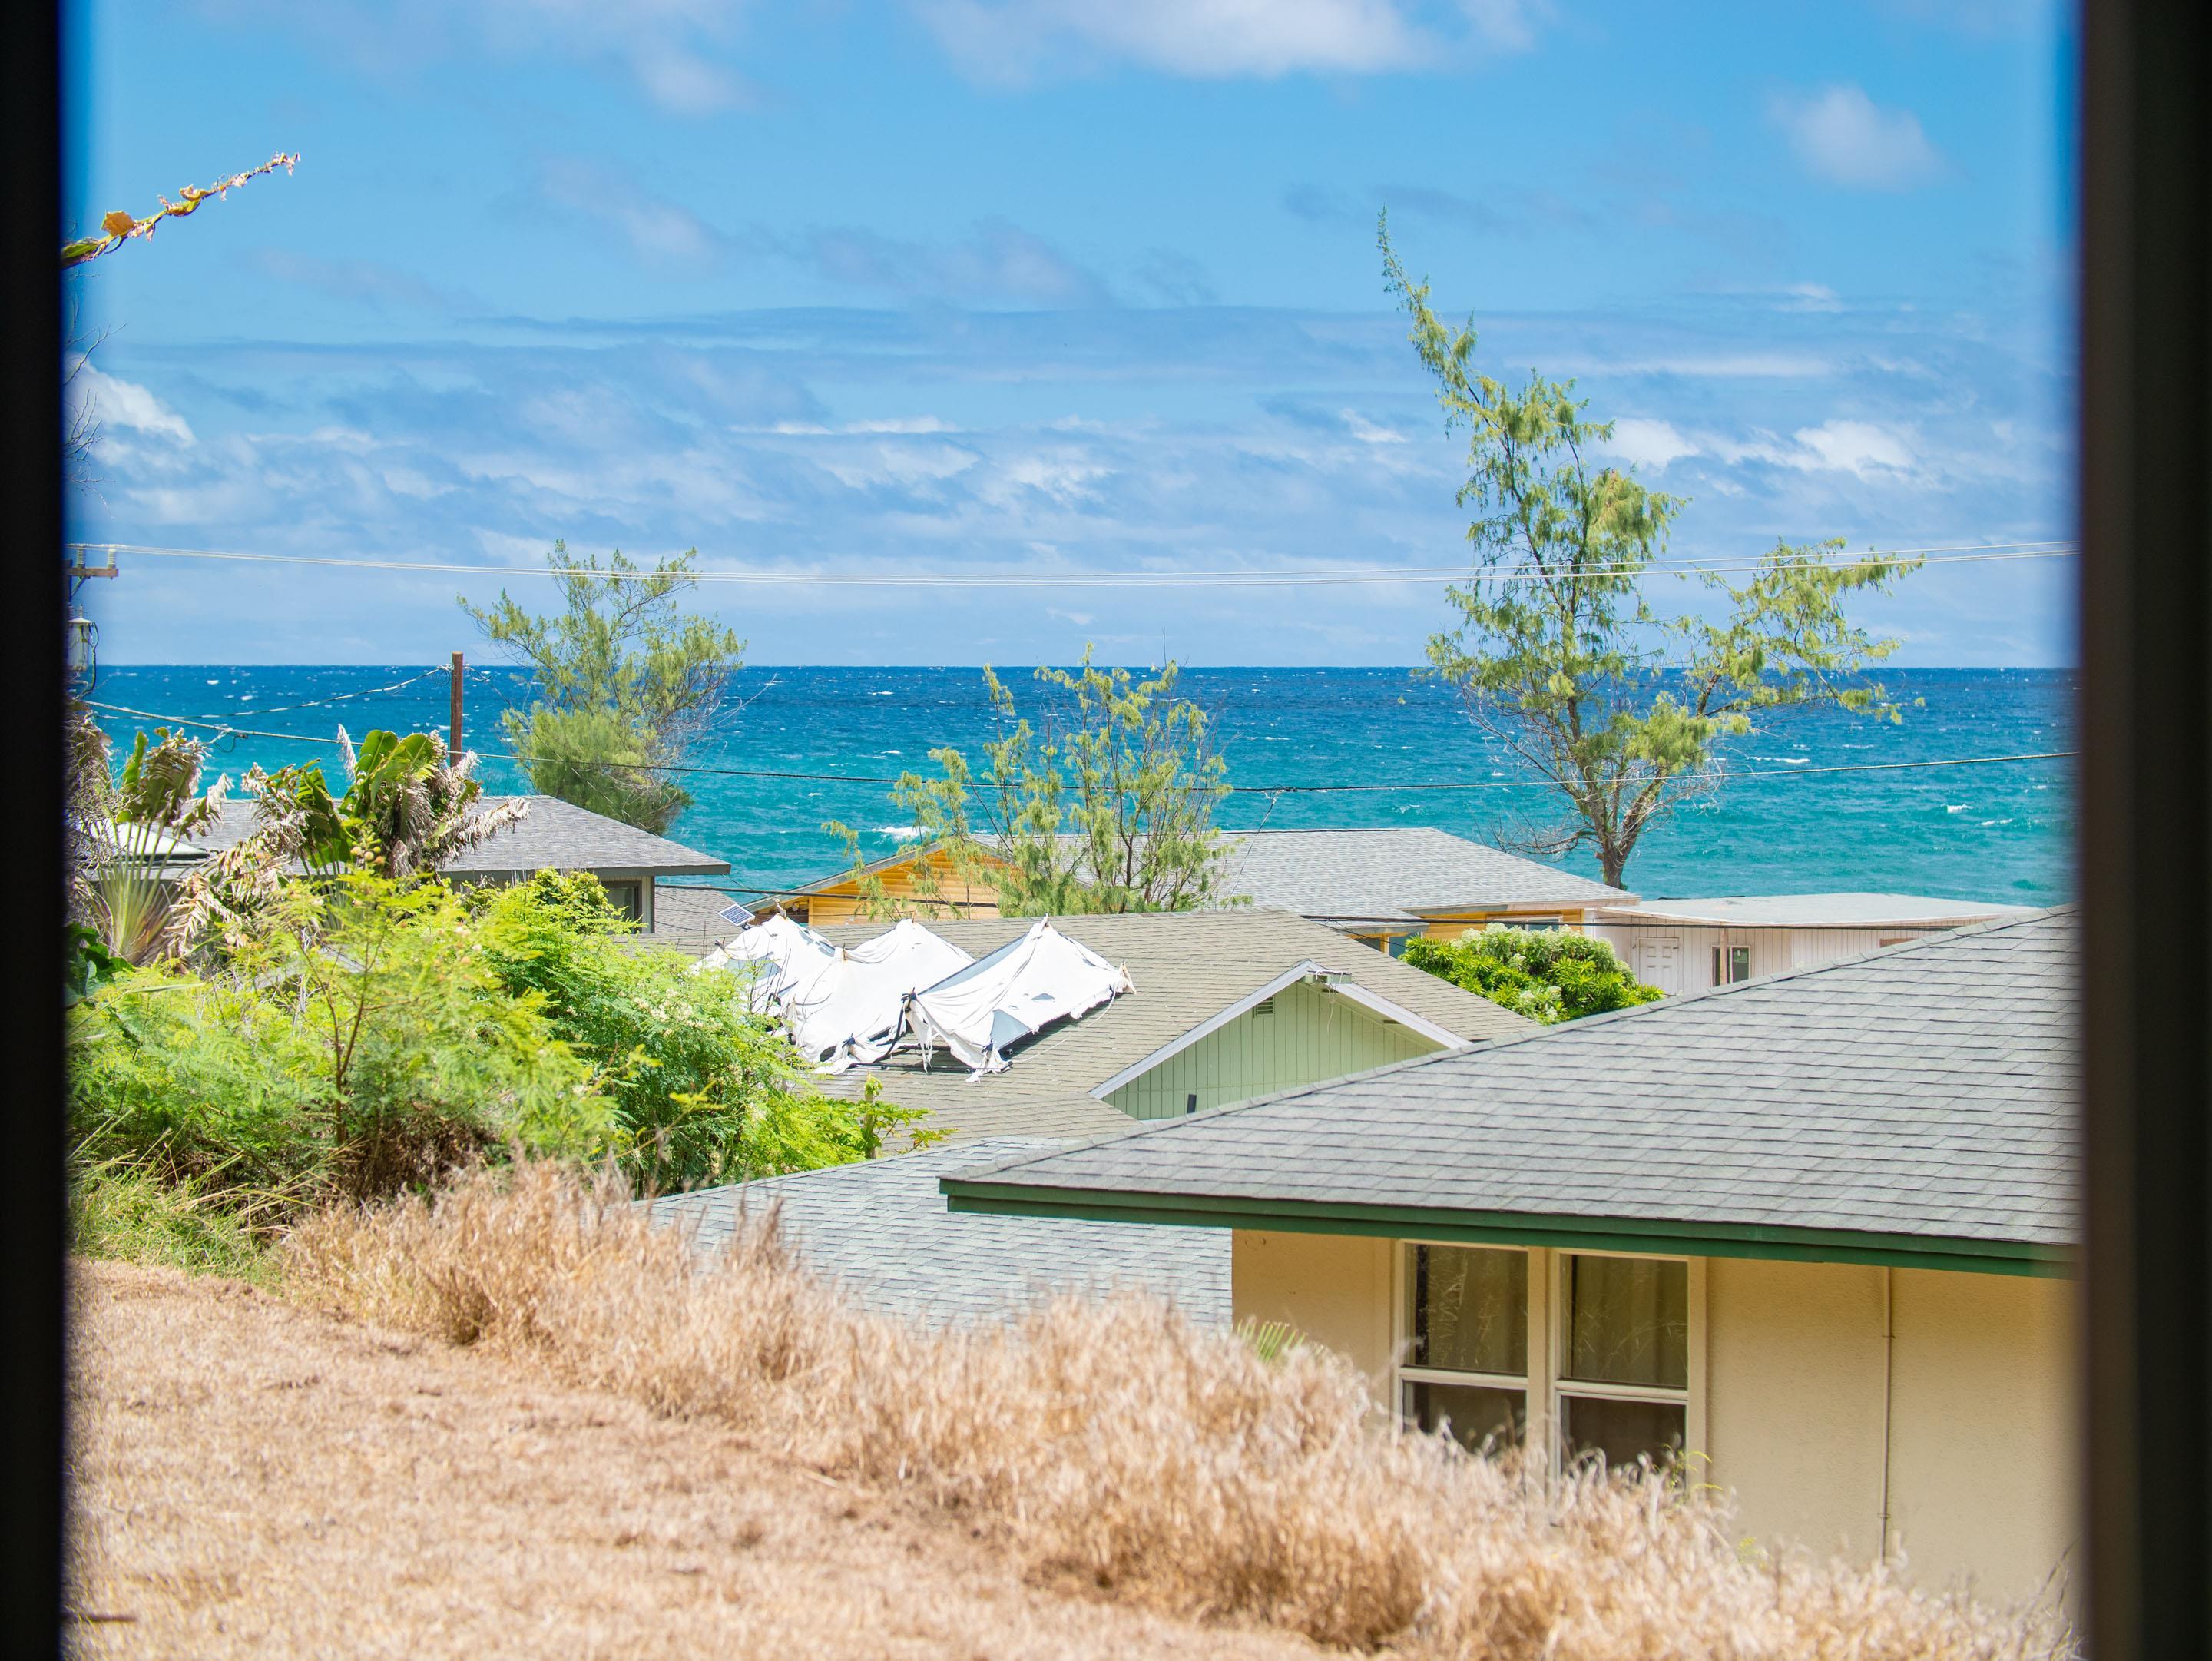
[1998, 833]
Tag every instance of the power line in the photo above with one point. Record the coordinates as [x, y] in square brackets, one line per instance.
[1449, 785]
[1951, 554]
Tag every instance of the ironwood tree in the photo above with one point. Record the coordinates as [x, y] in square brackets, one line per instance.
[1108, 806]
[1558, 652]
[628, 682]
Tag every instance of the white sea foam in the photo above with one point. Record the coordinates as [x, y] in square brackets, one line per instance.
[899, 833]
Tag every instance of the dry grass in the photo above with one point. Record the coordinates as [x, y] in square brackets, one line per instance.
[253, 1479]
[1114, 1446]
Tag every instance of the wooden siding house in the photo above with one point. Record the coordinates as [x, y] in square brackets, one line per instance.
[1380, 887]
[1227, 1006]
[1692, 946]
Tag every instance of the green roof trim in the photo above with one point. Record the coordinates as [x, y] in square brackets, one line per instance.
[984, 1196]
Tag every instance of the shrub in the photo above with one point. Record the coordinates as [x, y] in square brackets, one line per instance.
[358, 1043]
[701, 1090]
[1547, 975]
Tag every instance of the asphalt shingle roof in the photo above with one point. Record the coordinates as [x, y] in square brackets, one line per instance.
[1393, 875]
[1924, 1091]
[1187, 967]
[882, 1232]
[1370, 876]
[554, 834]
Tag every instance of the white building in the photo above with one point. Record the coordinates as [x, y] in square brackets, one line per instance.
[1689, 945]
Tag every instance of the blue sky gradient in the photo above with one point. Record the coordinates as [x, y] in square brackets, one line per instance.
[967, 284]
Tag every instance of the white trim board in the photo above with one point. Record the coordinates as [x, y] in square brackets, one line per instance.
[1332, 980]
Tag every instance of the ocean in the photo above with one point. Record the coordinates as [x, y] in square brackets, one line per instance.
[1779, 824]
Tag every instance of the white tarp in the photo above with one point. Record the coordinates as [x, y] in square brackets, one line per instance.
[853, 1009]
[1022, 988]
[774, 959]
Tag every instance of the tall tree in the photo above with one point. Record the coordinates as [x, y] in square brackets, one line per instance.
[627, 683]
[1558, 652]
[1108, 807]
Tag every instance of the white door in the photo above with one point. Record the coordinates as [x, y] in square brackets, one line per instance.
[1659, 961]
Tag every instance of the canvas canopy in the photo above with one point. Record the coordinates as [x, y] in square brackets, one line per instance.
[852, 1010]
[774, 959]
[1022, 988]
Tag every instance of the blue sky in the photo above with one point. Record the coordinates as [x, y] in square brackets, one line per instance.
[973, 284]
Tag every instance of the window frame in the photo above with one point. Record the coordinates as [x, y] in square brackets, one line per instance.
[1545, 1386]
[1690, 1396]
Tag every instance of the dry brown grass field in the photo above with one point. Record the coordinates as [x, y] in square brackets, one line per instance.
[519, 1421]
[258, 1479]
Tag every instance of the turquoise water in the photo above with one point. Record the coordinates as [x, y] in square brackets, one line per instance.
[1992, 833]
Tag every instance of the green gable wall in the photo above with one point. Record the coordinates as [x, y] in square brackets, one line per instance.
[1310, 1037]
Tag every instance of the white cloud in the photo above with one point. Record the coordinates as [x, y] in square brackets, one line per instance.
[1853, 447]
[676, 52]
[1012, 40]
[1650, 444]
[111, 403]
[1367, 432]
[1844, 137]
[654, 226]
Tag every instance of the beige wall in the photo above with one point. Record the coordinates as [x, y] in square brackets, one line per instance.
[1335, 1289]
[1978, 1380]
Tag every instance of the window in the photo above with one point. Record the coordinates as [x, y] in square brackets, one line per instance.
[1624, 1356]
[1465, 1364]
[1539, 925]
[1731, 964]
[625, 899]
[1586, 1354]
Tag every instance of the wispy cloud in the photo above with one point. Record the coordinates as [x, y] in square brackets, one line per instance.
[676, 53]
[1204, 39]
[370, 283]
[996, 263]
[1840, 135]
[654, 226]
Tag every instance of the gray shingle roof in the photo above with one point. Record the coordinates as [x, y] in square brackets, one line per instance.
[881, 1230]
[1924, 1091]
[553, 833]
[1187, 966]
[1396, 874]
[1371, 876]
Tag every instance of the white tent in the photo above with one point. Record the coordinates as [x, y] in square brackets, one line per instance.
[774, 959]
[852, 1010]
[1022, 988]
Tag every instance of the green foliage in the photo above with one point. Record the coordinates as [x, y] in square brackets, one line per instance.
[88, 965]
[1108, 808]
[1558, 652]
[626, 682]
[1545, 973]
[127, 1212]
[357, 1043]
[128, 837]
[701, 1090]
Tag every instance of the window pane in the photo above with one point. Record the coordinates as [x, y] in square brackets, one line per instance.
[1476, 1414]
[1739, 962]
[1622, 1431]
[1628, 1321]
[1470, 1309]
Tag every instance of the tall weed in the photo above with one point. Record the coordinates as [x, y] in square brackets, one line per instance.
[1115, 1445]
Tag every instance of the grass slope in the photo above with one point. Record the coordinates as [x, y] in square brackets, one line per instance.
[254, 1478]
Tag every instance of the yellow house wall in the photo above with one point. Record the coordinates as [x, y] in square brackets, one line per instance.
[840, 902]
[1977, 1386]
[1333, 1288]
[1451, 928]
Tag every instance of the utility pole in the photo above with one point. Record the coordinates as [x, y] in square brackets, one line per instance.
[454, 728]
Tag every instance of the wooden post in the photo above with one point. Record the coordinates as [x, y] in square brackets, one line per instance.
[453, 727]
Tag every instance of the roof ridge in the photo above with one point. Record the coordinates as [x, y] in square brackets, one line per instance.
[1589, 1023]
